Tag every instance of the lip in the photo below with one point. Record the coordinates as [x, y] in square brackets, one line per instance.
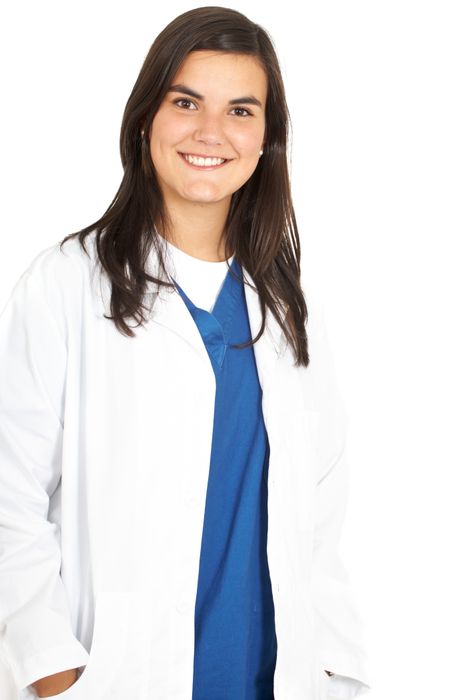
[202, 167]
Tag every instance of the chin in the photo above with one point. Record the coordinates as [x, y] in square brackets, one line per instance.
[205, 197]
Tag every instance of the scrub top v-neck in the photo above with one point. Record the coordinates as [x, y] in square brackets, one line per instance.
[235, 640]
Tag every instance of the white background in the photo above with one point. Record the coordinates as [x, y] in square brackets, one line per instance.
[368, 91]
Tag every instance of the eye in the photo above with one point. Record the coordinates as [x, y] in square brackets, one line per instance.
[182, 99]
[185, 100]
[244, 109]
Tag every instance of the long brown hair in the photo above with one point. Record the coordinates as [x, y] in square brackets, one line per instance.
[260, 230]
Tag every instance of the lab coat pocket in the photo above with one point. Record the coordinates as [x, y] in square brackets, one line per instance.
[107, 649]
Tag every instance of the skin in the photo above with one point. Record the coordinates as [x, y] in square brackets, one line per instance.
[198, 201]
[54, 684]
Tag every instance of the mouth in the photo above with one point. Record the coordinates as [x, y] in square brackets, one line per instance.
[199, 163]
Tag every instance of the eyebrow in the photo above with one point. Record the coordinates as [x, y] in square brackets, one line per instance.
[247, 99]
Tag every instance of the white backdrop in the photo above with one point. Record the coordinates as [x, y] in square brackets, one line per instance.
[368, 92]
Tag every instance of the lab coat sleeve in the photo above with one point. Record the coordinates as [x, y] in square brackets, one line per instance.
[36, 637]
[339, 627]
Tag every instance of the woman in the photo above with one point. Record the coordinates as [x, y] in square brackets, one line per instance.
[172, 491]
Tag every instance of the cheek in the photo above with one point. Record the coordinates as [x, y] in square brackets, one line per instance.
[247, 142]
[167, 129]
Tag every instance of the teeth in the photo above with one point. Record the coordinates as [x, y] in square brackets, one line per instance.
[197, 160]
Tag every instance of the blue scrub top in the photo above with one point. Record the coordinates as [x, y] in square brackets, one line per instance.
[235, 640]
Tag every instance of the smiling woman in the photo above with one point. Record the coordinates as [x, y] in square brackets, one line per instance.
[171, 497]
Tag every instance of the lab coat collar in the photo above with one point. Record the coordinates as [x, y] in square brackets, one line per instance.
[169, 309]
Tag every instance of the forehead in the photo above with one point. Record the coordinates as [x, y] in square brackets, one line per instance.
[222, 74]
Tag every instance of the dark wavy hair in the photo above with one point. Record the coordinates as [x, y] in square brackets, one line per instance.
[260, 229]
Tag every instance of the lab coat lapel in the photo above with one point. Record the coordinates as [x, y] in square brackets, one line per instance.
[271, 344]
[170, 310]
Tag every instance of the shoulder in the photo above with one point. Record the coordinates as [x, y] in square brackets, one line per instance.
[63, 269]
[60, 275]
[61, 263]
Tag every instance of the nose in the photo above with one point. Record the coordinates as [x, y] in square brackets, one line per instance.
[209, 130]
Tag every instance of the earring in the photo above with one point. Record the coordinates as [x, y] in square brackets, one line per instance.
[261, 152]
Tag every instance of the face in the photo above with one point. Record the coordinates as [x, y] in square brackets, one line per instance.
[209, 125]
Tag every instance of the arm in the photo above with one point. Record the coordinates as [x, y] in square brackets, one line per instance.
[339, 629]
[36, 636]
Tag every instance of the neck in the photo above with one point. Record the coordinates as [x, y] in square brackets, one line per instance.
[198, 230]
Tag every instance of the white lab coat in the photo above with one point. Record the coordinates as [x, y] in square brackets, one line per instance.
[104, 457]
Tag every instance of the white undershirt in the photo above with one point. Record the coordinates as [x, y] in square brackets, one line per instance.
[201, 280]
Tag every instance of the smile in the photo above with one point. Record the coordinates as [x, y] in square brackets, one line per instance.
[199, 163]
